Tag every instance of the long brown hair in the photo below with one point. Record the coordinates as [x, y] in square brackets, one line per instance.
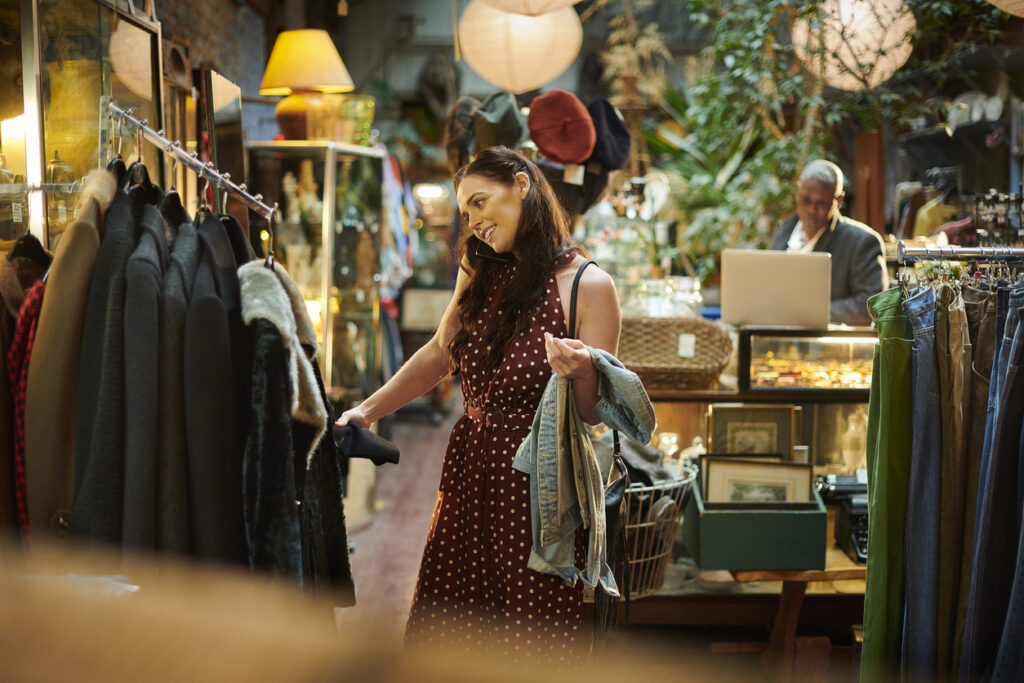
[541, 239]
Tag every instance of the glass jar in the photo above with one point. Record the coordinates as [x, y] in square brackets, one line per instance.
[667, 297]
[687, 301]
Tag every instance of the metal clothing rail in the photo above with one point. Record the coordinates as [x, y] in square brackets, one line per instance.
[906, 254]
[220, 180]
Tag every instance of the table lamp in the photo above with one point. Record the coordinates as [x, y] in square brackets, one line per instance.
[302, 64]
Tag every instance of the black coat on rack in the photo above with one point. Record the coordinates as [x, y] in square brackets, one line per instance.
[99, 430]
[144, 274]
[216, 370]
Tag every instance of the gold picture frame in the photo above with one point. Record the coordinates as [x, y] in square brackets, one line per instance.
[760, 429]
[757, 481]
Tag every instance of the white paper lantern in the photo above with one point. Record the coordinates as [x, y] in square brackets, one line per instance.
[515, 52]
[865, 41]
[1014, 7]
[531, 7]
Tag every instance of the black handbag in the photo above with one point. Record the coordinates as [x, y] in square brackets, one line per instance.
[606, 607]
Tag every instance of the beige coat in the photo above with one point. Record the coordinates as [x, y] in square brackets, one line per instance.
[52, 393]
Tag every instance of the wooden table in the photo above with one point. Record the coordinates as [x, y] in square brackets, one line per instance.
[779, 657]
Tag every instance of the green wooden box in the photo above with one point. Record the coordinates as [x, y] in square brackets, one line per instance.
[755, 538]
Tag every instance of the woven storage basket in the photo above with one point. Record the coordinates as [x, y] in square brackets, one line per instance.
[650, 348]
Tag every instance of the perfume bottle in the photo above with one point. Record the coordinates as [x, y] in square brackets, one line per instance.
[853, 442]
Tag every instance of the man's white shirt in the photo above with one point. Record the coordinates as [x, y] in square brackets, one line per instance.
[796, 239]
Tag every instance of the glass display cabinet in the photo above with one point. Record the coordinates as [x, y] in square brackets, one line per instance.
[59, 59]
[328, 237]
[824, 373]
[788, 360]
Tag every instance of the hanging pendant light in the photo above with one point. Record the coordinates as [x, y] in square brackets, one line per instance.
[516, 52]
[863, 42]
[530, 7]
[1014, 7]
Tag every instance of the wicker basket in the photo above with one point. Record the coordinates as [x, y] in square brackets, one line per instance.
[652, 518]
[650, 347]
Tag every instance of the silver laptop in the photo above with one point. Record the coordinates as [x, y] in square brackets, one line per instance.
[761, 287]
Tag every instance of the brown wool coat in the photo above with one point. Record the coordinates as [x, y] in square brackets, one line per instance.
[50, 404]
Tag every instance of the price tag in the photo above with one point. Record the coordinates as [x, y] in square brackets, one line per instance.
[687, 347]
[862, 475]
[16, 209]
[573, 174]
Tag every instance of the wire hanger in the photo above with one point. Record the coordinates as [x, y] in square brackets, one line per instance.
[203, 204]
[174, 164]
[269, 262]
[189, 161]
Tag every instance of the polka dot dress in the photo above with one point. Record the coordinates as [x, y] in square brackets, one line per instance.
[474, 588]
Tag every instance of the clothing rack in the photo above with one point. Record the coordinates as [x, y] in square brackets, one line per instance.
[206, 171]
[907, 254]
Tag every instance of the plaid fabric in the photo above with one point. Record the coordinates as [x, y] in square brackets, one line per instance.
[17, 372]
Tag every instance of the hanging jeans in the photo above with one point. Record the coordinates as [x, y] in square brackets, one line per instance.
[1009, 662]
[953, 350]
[981, 319]
[997, 530]
[922, 542]
[890, 428]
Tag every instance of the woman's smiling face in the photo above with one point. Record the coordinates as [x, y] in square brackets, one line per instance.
[492, 209]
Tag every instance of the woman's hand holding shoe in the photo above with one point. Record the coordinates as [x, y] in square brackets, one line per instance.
[355, 415]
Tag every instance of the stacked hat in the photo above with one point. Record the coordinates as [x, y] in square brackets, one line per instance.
[561, 127]
[575, 199]
[498, 121]
[459, 133]
[613, 142]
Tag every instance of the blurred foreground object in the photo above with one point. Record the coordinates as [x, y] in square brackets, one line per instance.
[91, 617]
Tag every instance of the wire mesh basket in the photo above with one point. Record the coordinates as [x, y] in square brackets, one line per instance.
[652, 516]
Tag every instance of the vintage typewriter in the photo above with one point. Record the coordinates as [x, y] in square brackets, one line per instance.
[850, 494]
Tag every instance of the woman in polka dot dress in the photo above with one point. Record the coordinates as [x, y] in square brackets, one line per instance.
[505, 332]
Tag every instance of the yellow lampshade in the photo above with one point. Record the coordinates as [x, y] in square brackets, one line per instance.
[305, 61]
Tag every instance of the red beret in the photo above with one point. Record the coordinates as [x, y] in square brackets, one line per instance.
[561, 127]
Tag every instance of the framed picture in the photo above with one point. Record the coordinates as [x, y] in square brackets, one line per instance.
[757, 481]
[753, 429]
[422, 309]
[702, 465]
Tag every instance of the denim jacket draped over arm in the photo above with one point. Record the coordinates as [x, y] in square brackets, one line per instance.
[566, 480]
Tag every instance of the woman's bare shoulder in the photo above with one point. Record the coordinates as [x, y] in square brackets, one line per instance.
[594, 279]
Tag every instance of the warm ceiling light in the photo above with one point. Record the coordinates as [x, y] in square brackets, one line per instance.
[515, 52]
[530, 7]
[1014, 7]
[863, 42]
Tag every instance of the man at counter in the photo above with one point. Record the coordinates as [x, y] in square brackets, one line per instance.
[858, 264]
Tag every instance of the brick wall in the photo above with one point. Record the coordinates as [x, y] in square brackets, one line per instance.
[230, 37]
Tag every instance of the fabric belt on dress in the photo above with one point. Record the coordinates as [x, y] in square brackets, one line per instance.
[496, 418]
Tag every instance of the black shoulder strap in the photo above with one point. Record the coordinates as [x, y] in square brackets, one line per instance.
[572, 297]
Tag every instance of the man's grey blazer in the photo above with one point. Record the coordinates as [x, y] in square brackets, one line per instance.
[858, 265]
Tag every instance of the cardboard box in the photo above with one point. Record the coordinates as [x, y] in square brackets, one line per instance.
[755, 538]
